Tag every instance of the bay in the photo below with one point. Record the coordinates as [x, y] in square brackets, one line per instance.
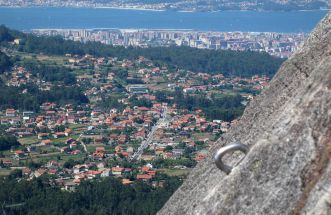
[87, 18]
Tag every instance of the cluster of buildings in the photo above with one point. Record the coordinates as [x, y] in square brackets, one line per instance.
[277, 44]
[85, 4]
[101, 140]
[181, 5]
[69, 178]
[19, 76]
[81, 136]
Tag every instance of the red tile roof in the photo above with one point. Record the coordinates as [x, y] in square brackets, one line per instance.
[143, 176]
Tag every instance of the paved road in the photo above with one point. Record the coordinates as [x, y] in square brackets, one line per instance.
[148, 140]
[81, 142]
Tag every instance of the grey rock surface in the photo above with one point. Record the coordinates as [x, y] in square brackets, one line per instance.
[288, 130]
[319, 201]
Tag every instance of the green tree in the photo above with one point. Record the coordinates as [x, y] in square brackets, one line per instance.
[5, 62]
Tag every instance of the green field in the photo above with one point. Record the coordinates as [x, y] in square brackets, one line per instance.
[200, 136]
[63, 139]
[28, 140]
[54, 156]
[77, 126]
[91, 147]
[4, 171]
[48, 59]
[35, 140]
[176, 172]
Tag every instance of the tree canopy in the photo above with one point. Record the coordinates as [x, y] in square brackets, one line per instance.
[5, 62]
[107, 196]
[8, 141]
[33, 97]
[230, 63]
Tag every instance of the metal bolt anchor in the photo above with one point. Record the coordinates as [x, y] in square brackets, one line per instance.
[228, 149]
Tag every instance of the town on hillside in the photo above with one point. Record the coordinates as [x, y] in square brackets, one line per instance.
[142, 120]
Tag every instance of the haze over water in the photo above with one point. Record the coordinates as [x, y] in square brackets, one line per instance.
[32, 18]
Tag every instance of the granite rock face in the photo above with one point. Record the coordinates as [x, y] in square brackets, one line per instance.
[288, 130]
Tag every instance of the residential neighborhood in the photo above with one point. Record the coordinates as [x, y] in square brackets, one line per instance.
[132, 128]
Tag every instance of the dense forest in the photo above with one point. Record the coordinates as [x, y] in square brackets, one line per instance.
[32, 97]
[5, 62]
[6, 35]
[7, 142]
[226, 107]
[107, 196]
[50, 73]
[230, 63]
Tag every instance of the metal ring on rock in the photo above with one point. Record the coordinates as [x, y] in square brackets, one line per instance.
[228, 149]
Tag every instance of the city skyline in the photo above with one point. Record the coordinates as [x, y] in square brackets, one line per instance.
[276, 44]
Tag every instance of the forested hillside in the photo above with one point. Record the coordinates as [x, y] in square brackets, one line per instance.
[12, 97]
[5, 62]
[229, 63]
[108, 196]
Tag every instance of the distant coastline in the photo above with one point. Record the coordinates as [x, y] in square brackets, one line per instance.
[129, 8]
[27, 18]
[139, 8]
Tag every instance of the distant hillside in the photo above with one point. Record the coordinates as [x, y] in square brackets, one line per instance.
[207, 5]
[196, 5]
[229, 63]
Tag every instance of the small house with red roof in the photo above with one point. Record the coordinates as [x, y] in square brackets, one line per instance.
[144, 177]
